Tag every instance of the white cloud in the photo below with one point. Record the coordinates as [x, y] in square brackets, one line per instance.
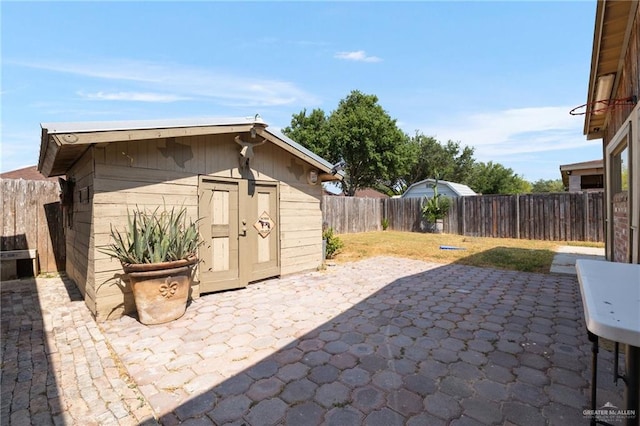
[132, 96]
[514, 132]
[533, 141]
[19, 149]
[177, 81]
[358, 55]
[110, 70]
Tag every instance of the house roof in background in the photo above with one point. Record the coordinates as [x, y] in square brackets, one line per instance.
[459, 188]
[567, 169]
[64, 143]
[369, 193]
[593, 164]
[26, 173]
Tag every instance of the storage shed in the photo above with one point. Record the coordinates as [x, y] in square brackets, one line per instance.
[231, 174]
[424, 188]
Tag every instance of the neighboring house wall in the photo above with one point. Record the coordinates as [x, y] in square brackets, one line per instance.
[159, 172]
[586, 180]
[575, 183]
[584, 176]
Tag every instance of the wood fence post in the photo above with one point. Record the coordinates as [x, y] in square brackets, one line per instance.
[464, 217]
[518, 216]
[586, 233]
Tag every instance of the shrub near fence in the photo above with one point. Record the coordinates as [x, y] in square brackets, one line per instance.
[551, 217]
[32, 219]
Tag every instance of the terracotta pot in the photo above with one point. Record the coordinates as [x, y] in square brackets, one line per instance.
[160, 290]
[436, 227]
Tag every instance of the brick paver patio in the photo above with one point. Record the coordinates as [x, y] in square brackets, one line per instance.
[383, 341]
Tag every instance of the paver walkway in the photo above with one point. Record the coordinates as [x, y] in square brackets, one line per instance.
[57, 367]
[383, 341]
[564, 262]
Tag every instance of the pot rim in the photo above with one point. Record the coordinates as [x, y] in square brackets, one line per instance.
[144, 267]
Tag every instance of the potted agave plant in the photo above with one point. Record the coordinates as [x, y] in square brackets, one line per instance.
[435, 209]
[157, 253]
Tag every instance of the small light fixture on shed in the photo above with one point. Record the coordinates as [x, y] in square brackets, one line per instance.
[312, 177]
[253, 131]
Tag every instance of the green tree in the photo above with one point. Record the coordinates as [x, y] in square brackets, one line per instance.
[428, 158]
[494, 178]
[362, 133]
[311, 131]
[548, 185]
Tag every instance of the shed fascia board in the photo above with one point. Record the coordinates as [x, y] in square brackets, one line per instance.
[57, 136]
[105, 126]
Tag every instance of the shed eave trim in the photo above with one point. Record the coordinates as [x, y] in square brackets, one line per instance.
[107, 136]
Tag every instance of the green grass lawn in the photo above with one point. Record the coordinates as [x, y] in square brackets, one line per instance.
[502, 253]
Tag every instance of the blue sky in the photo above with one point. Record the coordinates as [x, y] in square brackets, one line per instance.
[498, 76]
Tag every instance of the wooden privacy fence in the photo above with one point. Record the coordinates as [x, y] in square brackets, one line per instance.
[348, 215]
[551, 217]
[32, 219]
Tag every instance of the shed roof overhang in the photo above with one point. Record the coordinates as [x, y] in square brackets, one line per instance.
[62, 144]
[613, 24]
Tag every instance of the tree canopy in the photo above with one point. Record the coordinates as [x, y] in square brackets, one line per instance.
[427, 158]
[547, 185]
[361, 133]
[311, 131]
[494, 178]
[380, 155]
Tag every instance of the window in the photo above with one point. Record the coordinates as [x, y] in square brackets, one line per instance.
[592, 182]
[619, 173]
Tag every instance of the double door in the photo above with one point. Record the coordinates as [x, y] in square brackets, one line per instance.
[240, 231]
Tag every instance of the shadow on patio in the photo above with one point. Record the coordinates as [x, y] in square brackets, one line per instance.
[56, 365]
[30, 392]
[382, 341]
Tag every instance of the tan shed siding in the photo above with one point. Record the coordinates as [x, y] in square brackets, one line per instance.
[301, 229]
[151, 173]
[129, 175]
[118, 190]
[79, 232]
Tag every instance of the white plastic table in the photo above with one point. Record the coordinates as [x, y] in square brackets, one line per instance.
[611, 299]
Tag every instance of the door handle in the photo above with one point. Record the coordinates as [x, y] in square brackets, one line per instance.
[244, 228]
